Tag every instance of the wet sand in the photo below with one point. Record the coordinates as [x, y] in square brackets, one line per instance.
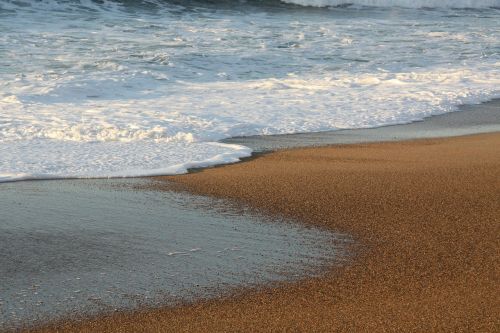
[83, 248]
[425, 215]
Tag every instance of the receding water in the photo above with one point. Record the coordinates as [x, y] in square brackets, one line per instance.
[84, 247]
[472, 119]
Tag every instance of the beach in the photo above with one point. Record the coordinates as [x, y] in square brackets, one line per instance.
[424, 215]
[255, 165]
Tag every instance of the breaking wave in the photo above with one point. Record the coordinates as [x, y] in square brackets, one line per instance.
[400, 3]
[98, 5]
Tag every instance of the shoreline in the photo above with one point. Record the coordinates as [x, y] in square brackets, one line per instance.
[421, 207]
[81, 249]
[466, 120]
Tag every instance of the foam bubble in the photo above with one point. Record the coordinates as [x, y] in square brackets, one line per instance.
[401, 3]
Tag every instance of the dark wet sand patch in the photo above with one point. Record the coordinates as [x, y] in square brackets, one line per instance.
[83, 248]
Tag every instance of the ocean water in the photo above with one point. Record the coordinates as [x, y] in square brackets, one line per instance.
[128, 88]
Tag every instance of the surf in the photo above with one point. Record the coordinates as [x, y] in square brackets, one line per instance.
[400, 3]
[124, 88]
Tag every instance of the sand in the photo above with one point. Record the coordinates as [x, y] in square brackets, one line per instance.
[426, 219]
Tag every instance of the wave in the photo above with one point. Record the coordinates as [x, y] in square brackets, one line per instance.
[400, 3]
[98, 5]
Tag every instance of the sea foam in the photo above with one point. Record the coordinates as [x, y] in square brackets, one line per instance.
[123, 89]
[401, 3]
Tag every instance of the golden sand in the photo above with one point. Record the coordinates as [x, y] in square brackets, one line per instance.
[426, 212]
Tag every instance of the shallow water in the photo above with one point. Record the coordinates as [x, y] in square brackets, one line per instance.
[72, 248]
[127, 88]
[471, 119]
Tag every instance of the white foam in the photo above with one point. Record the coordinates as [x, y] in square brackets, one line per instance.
[68, 159]
[102, 92]
[401, 3]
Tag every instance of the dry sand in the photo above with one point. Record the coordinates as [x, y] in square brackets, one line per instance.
[427, 214]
